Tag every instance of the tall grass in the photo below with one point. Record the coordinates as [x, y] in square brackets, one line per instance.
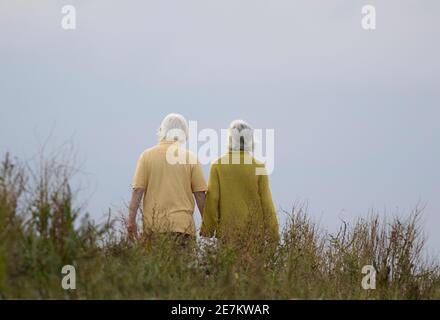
[40, 233]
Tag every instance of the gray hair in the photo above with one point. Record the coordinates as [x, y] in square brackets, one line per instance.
[241, 136]
[174, 127]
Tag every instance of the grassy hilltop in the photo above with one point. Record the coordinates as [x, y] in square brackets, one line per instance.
[40, 232]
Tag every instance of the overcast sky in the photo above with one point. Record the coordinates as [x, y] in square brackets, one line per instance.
[356, 113]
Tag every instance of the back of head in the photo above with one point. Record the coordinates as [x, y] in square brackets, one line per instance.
[174, 127]
[241, 136]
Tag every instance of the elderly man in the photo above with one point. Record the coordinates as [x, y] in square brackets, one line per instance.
[239, 200]
[168, 188]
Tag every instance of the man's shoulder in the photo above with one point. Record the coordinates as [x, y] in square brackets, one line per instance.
[148, 151]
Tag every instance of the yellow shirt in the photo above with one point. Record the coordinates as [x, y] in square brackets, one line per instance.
[168, 202]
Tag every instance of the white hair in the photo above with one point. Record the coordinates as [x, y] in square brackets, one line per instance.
[241, 136]
[173, 128]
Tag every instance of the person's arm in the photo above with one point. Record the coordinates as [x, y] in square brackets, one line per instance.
[136, 197]
[198, 186]
[139, 185]
[200, 199]
[210, 217]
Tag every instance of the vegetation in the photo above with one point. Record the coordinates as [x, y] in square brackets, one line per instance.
[41, 231]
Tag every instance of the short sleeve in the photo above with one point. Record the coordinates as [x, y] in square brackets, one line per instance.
[198, 182]
[140, 175]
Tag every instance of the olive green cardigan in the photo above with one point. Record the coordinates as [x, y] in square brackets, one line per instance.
[238, 199]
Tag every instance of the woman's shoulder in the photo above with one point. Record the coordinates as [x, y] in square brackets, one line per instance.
[228, 158]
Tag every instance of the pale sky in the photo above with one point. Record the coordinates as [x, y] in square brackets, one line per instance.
[355, 113]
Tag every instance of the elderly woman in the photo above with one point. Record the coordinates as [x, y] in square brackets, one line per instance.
[239, 201]
[168, 188]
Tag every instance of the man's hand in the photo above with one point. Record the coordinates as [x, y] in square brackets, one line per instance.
[132, 229]
[136, 198]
